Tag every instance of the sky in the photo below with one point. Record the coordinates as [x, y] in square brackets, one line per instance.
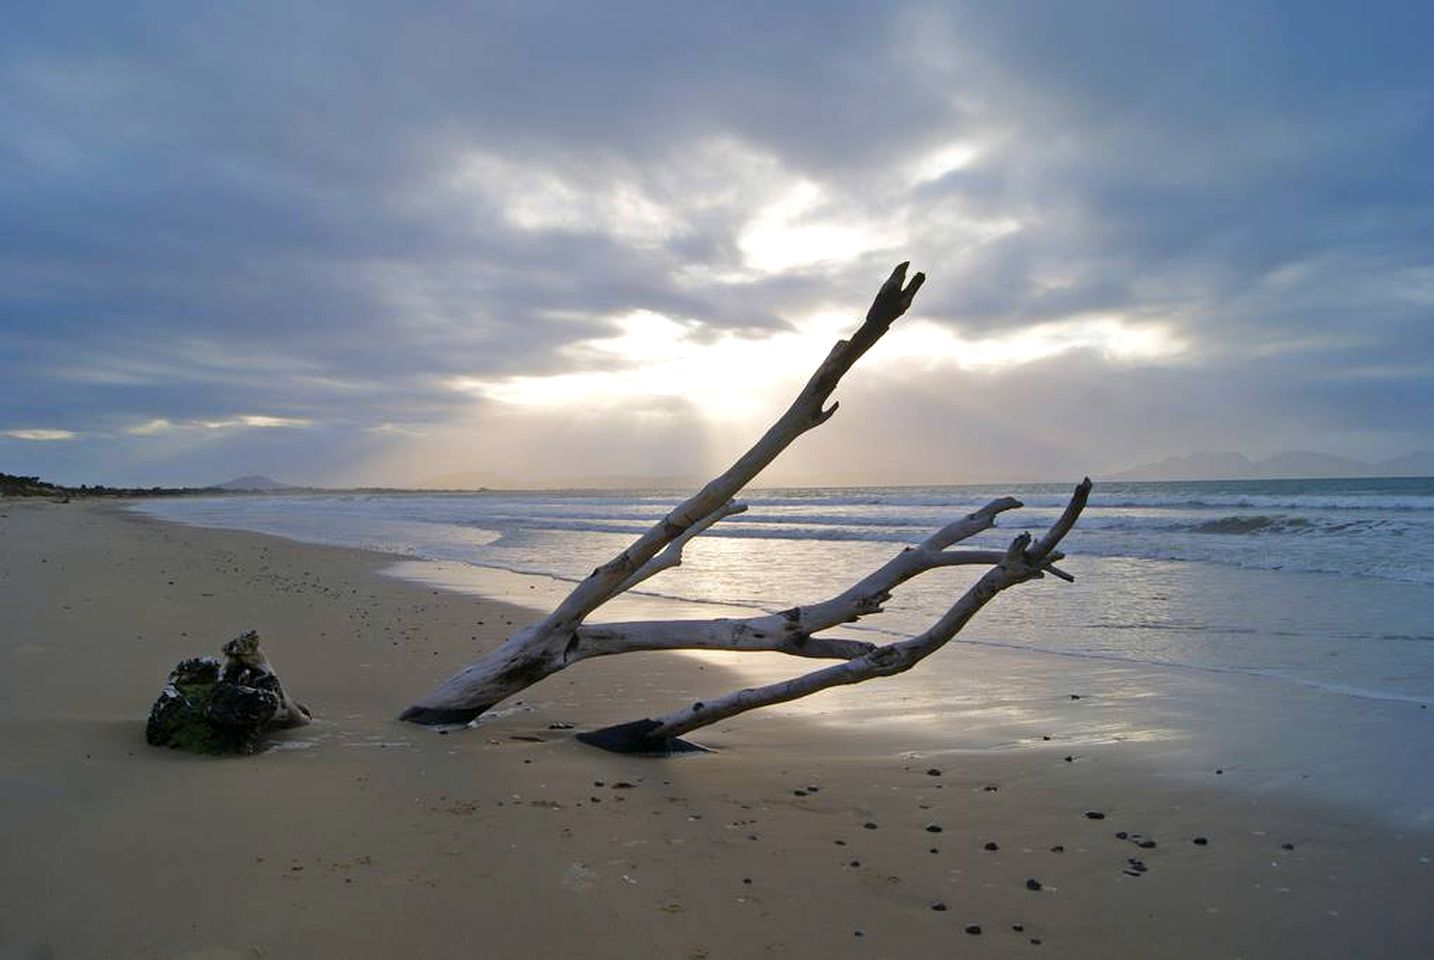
[550, 243]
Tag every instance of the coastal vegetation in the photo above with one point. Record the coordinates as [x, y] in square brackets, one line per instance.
[16, 486]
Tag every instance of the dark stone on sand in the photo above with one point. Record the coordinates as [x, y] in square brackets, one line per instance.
[868, 826]
[440, 717]
[1146, 844]
[211, 707]
[1200, 841]
[239, 707]
[1070, 759]
[1018, 927]
[560, 725]
[1219, 771]
[1122, 835]
[939, 907]
[1287, 846]
[1058, 848]
[974, 929]
[990, 788]
[1036, 941]
[933, 772]
[1033, 884]
[854, 863]
[991, 845]
[799, 793]
[1094, 815]
[636, 737]
[1075, 696]
[933, 828]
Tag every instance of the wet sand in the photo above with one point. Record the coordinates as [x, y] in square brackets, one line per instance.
[362, 837]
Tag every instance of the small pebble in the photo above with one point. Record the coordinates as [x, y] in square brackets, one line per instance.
[855, 863]
[1033, 884]
[933, 772]
[1122, 835]
[1036, 941]
[1018, 927]
[974, 929]
[1094, 815]
[992, 845]
[1145, 844]
[934, 850]
[1287, 846]
[1200, 841]
[939, 907]
[933, 828]
[1058, 848]
[1070, 759]
[868, 825]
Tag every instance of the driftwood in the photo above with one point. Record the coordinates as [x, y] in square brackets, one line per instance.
[563, 637]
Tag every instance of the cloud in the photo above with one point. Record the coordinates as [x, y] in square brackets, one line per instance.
[160, 425]
[39, 435]
[231, 209]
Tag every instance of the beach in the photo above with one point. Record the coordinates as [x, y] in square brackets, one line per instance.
[358, 836]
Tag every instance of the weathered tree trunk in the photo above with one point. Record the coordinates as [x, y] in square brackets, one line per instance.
[563, 638]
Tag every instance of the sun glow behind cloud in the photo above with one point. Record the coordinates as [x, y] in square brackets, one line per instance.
[737, 378]
[794, 231]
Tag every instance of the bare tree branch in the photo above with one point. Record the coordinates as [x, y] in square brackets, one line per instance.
[563, 637]
[672, 556]
[791, 631]
[539, 650]
[1020, 562]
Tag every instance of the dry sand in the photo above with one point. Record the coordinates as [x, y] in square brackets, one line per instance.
[362, 837]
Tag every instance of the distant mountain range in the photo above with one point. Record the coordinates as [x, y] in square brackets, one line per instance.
[1290, 464]
[253, 483]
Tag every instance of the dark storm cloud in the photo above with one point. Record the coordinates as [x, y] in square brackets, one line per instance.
[323, 212]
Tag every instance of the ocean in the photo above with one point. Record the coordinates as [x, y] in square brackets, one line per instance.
[1327, 583]
[1279, 630]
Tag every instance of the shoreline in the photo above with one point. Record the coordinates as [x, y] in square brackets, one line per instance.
[365, 837]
